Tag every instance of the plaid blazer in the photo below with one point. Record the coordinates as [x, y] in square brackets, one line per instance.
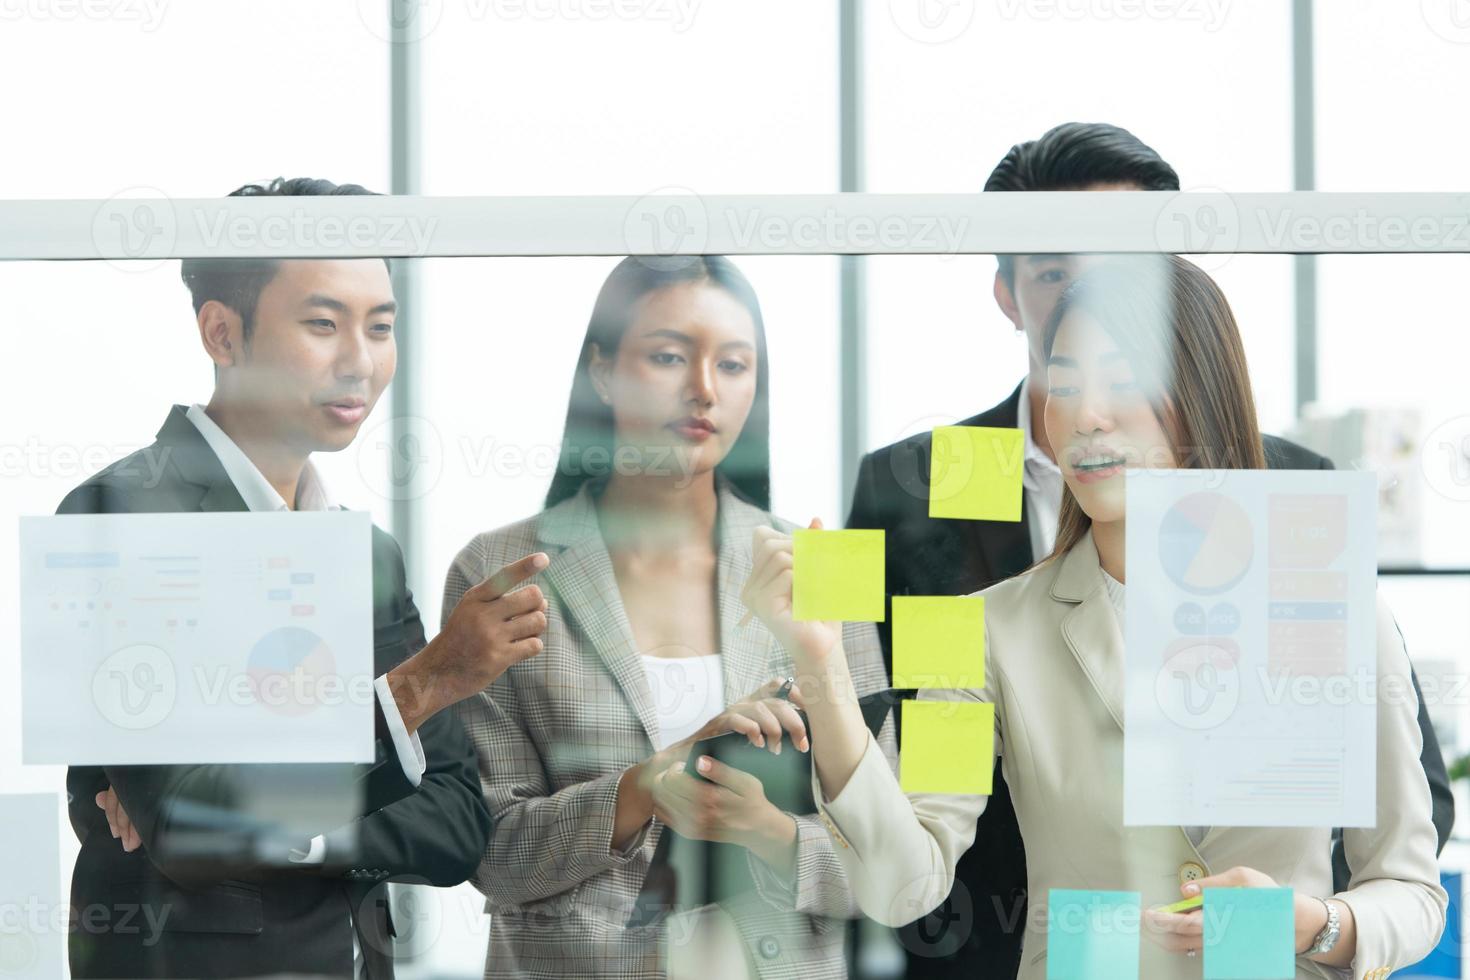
[555, 733]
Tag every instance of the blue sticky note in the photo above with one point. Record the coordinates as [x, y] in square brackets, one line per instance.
[1250, 934]
[1091, 935]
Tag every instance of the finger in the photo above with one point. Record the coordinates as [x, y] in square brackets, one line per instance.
[735, 780]
[530, 624]
[815, 525]
[125, 830]
[518, 603]
[1230, 878]
[508, 577]
[735, 722]
[770, 727]
[1187, 924]
[110, 805]
[761, 578]
[768, 543]
[787, 715]
[796, 697]
[525, 649]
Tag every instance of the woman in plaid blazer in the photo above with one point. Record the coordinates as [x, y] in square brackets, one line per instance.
[663, 479]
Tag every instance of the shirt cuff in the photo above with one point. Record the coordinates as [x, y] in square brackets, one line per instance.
[409, 749]
[315, 854]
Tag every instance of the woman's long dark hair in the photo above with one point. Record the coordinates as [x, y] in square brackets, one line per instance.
[589, 441]
[1174, 325]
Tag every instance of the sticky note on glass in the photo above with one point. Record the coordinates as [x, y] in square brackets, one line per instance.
[1250, 934]
[1091, 935]
[938, 641]
[838, 575]
[975, 473]
[947, 747]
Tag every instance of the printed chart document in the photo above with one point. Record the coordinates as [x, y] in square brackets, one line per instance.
[197, 638]
[1251, 657]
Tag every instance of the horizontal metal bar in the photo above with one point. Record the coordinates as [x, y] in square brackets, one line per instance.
[682, 222]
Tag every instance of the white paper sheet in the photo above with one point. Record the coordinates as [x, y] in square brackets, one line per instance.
[33, 918]
[1251, 660]
[196, 638]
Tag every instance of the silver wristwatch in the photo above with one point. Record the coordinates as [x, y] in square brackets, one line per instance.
[1327, 938]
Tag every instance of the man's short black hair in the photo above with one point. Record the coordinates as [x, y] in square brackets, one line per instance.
[1075, 156]
[237, 283]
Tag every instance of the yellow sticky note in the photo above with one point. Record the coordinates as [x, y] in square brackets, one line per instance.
[975, 473]
[938, 641]
[838, 575]
[947, 747]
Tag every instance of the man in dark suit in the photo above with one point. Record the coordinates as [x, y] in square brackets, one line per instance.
[248, 870]
[977, 932]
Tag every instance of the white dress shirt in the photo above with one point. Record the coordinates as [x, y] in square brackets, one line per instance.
[1041, 481]
[687, 692]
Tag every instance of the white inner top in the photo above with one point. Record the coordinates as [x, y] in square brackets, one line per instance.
[1116, 597]
[687, 692]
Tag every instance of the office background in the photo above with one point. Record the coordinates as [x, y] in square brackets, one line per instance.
[189, 98]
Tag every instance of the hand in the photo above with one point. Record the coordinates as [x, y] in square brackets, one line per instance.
[1181, 932]
[761, 718]
[731, 808]
[118, 821]
[490, 629]
[768, 594]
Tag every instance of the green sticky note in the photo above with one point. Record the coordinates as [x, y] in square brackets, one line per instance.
[1250, 934]
[838, 575]
[975, 473]
[938, 641]
[1092, 935]
[947, 747]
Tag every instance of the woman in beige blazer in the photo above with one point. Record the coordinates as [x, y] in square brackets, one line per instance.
[664, 477]
[1143, 370]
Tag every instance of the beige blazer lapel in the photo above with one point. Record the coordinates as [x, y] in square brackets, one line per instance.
[581, 575]
[747, 652]
[1090, 629]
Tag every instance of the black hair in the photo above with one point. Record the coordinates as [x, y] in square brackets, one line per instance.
[588, 441]
[1075, 156]
[237, 283]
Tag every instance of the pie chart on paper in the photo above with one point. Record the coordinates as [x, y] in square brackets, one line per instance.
[1206, 542]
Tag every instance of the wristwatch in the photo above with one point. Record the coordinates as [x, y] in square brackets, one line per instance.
[1327, 938]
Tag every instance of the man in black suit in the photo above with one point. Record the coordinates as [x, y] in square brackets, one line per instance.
[977, 932]
[221, 870]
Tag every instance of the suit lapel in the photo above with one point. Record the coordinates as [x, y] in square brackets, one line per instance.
[582, 575]
[195, 462]
[746, 651]
[1090, 629]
